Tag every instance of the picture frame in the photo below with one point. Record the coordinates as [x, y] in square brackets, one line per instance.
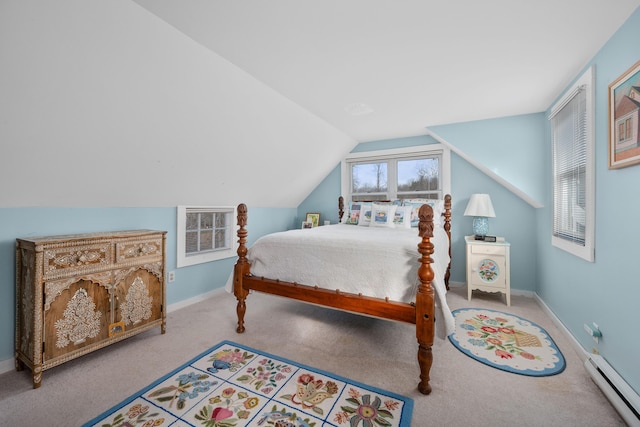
[624, 119]
[313, 218]
[307, 224]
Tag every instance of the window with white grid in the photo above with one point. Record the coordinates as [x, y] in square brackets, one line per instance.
[205, 234]
[407, 173]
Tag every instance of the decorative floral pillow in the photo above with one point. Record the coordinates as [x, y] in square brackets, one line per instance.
[365, 214]
[354, 213]
[382, 215]
[402, 217]
[438, 209]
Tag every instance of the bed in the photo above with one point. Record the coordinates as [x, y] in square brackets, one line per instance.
[409, 286]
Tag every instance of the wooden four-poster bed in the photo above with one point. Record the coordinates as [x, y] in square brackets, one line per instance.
[419, 308]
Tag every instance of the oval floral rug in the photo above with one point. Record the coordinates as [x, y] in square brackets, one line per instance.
[507, 342]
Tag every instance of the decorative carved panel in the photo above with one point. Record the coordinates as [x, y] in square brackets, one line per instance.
[80, 321]
[76, 258]
[132, 250]
[137, 305]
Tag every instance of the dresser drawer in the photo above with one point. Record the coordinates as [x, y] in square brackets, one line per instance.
[76, 259]
[487, 249]
[138, 250]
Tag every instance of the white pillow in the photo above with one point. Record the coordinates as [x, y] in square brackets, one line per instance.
[382, 215]
[402, 218]
[365, 214]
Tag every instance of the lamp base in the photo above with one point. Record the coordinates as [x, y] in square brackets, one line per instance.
[480, 225]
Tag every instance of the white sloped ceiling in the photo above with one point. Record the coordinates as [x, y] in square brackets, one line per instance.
[107, 105]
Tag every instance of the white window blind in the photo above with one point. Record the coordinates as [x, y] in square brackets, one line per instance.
[573, 190]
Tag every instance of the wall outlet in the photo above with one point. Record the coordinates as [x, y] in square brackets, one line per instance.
[171, 276]
[593, 330]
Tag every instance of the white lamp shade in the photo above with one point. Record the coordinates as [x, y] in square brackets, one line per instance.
[480, 205]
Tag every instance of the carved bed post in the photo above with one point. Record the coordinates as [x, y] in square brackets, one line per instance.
[241, 268]
[425, 303]
[340, 208]
[447, 229]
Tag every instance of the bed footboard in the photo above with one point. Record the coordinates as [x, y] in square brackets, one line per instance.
[422, 312]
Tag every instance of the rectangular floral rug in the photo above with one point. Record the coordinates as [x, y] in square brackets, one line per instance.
[234, 385]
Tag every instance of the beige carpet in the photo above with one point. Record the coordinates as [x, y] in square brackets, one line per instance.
[372, 351]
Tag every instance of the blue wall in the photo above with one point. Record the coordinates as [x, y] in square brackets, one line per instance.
[518, 149]
[515, 219]
[190, 281]
[329, 191]
[607, 291]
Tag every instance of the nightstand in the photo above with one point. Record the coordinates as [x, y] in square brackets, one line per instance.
[488, 266]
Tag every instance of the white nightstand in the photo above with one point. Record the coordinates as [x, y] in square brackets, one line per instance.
[488, 266]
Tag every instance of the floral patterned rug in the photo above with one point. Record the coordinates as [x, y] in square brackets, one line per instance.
[234, 385]
[506, 342]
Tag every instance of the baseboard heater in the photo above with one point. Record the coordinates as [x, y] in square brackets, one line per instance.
[620, 394]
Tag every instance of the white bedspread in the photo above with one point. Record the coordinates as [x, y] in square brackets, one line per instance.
[374, 261]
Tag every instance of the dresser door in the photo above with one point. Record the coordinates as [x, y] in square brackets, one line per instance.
[488, 266]
[137, 299]
[77, 314]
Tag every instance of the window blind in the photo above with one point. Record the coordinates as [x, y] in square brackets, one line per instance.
[569, 129]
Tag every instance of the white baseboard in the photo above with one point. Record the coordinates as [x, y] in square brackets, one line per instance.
[190, 301]
[9, 364]
[457, 284]
[582, 353]
[574, 343]
[519, 292]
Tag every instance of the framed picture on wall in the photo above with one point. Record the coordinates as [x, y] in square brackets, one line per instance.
[624, 119]
[313, 218]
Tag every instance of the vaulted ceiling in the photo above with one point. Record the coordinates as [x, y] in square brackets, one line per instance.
[378, 69]
[214, 102]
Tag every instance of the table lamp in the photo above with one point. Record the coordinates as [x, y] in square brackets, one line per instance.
[481, 209]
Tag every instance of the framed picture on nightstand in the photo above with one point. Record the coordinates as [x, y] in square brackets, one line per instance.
[313, 218]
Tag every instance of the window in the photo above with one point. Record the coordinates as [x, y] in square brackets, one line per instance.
[205, 234]
[408, 173]
[625, 131]
[572, 133]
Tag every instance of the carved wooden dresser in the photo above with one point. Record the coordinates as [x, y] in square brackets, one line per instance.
[78, 293]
